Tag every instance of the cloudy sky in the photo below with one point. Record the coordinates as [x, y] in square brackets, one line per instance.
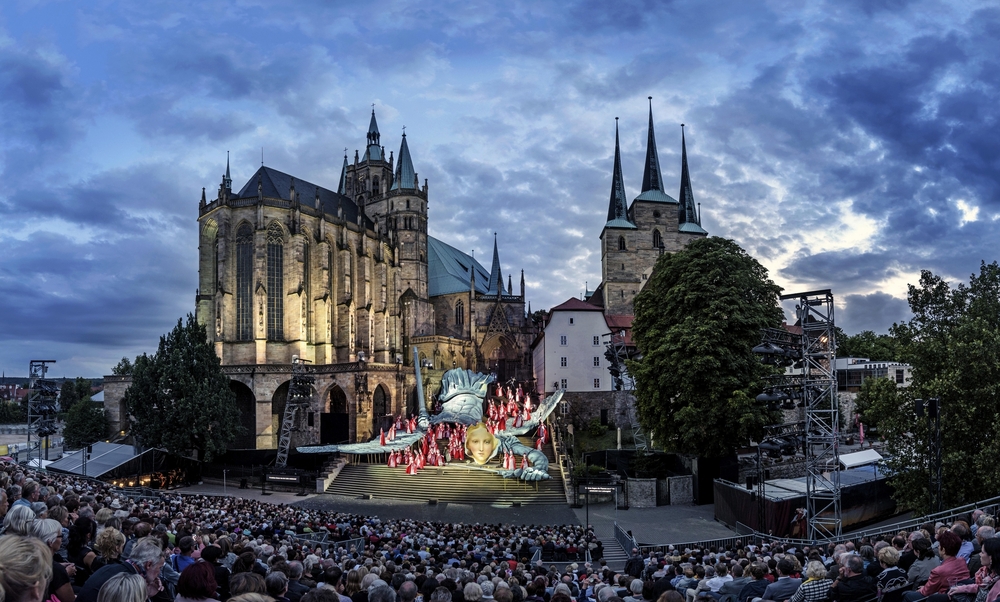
[845, 144]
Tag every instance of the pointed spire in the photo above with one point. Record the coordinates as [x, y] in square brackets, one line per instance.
[510, 285]
[496, 278]
[651, 176]
[227, 181]
[687, 211]
[342, 187]
[522, 285]
[617, 206]
[374, 151]
[405, 178]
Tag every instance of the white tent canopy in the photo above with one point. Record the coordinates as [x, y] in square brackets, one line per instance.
[861, 458]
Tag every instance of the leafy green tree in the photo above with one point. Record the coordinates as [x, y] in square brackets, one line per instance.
[85, 424]
[12, 412]
[179, 398]
[953, 344]
[68, 396]
[877, 395]
[123, 368]
[73, 391]
[876, 347]
[696, 322]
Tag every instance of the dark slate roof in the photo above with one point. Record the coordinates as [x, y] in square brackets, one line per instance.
[651, 177]
[276, 184]
[405, 178]
[617, 205]
[687, 212]
[448, 270]
[495, 284]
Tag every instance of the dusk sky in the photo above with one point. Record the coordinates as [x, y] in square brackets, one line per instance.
[845, 144]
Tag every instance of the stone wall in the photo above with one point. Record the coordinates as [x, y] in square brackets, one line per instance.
[642, 493]
[681, 490]
[585, 406]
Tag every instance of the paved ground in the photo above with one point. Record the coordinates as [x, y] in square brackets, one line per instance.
[665, 524]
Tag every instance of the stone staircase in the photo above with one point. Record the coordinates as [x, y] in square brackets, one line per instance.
[456, 483]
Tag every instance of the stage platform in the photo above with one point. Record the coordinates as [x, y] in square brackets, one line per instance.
[451, 483]
[865, 498]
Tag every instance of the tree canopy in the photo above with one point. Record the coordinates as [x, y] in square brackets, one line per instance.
[85, 424]
[179, 398]
[73, 391]
[876, 347]
[696, 322]
[953, 344]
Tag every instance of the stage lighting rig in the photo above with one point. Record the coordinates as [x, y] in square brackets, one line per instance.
[43, 405]
[300, 392]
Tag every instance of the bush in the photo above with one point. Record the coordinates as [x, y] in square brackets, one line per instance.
[595, 428]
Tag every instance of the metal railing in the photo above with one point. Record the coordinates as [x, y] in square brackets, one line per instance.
[747, 535]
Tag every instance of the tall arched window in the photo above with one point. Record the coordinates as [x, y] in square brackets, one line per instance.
[275, 281]
[244, 286]
[657, 239]
[459, 314]
[307, 284]
[375, 188]
[621, 243]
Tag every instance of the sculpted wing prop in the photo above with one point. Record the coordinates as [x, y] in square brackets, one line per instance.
[402, 441]
[537, 417]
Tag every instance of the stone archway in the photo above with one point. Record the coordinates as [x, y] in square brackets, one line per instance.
[246, 403]
[500, 356]
[381, 408]
[335, 423]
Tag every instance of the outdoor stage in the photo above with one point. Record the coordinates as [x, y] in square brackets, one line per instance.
[865, 498]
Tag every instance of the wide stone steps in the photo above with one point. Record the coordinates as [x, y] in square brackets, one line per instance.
[456, 483]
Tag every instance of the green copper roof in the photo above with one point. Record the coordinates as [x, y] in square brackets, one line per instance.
[691, 228]
[656, 196]
[620, 223]
[406, 178]
[448, 270]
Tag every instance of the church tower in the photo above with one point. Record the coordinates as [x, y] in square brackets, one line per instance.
[618, 239]
[655, 223]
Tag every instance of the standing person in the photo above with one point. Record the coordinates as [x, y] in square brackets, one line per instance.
[60, 585]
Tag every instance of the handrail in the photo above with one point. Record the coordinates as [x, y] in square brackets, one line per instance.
[626, 541]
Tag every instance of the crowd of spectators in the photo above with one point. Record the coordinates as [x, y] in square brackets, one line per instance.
[94, 539]
[956, 562]
[66, 539]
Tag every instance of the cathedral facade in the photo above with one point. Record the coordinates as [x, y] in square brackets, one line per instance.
[347, 279]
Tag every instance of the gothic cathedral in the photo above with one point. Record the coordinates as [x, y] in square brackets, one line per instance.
[349, 280]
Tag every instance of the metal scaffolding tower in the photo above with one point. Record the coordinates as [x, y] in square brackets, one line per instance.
[812, 379]
[299, 396]
[43, 405]
[814, 312]
[622, 381]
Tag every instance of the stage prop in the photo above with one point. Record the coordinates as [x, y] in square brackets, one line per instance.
[484, 437]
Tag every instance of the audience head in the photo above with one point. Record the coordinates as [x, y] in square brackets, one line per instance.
[123, 587]
[25, 567]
